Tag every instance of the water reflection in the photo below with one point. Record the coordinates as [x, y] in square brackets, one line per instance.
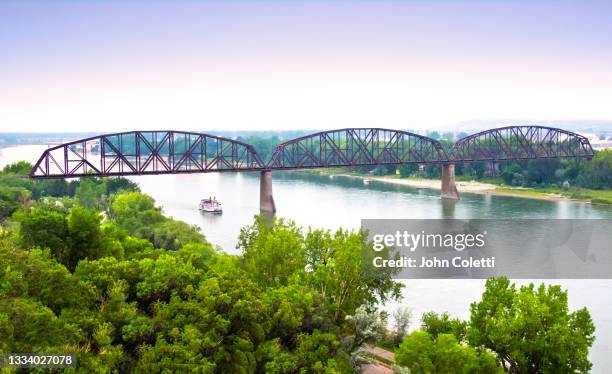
[448, 208]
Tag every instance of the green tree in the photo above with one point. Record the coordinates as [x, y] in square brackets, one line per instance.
[366, 325]
[84, 236]
[20, 167]
[119, 184]
[436, 324]
[448, 136]
[27, 325]
[130, 307]
[318, 352]
[531, 330]
[263, 145]
[272, 251]
[475, 169]
[407, 170]
[508, 172]
[11, 199]
[54, 187]
[37, 274]
[599, 171]
[402, 317]
[423, 354]
[542, 171]
[223, 323]
[432, 171]
[433, 134]
[45, 229]
[172, 235]
[321, 352]
[291, 307]
[335, 269]
[136, 213]
[163, 276]
[90, 193]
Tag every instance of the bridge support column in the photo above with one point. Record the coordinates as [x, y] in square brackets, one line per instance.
[449, 189]
[266, 200]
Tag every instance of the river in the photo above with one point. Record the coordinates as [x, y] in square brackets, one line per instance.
[332, 202]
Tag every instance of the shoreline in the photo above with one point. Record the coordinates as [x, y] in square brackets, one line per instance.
[470, 187]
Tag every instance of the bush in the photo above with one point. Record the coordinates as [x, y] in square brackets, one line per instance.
[565, 185]
[424, 354]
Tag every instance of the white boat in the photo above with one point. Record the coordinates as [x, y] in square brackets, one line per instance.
[210, 206]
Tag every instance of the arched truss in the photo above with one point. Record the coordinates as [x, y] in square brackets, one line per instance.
[146, 152]
[356, 147]
[168, 152]
[521, 143]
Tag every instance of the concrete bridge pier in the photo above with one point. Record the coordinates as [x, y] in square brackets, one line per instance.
[266, 200]
[449, 189]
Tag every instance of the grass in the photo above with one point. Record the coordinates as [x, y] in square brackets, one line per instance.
[379, 359]
[327, 171]
[386, 344]
[594, 196]
[346, 171]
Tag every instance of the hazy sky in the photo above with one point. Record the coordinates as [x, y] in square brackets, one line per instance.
[187, 65]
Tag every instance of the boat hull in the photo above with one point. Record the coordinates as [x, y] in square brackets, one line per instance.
[212, 211]
[210, 206]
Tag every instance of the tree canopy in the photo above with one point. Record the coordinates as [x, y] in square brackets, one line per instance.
[103, 273]
[96, 268]
[529, 330]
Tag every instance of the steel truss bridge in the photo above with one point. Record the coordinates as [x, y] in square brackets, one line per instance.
[172, 152]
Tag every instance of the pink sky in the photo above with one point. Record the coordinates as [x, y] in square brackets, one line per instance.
[107, 66]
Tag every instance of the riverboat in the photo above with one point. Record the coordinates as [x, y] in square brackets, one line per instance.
[210, 206]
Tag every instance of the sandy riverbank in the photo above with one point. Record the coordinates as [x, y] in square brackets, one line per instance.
[465, 187]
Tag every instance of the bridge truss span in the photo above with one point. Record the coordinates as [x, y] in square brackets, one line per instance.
[172, 152]
[521, 143]
[356, 147]
[146, 152]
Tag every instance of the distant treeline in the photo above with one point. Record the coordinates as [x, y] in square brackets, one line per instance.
[562, 173]
[7, 139]
[14, 138]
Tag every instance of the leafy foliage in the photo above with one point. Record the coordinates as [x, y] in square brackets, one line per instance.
[557, 173]
[422, 353]
[401, 321]
[103, 273]
[522, 326]
[436, 324]
[130, 290]
[529, 330]
[276, 253]
[368, 325]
